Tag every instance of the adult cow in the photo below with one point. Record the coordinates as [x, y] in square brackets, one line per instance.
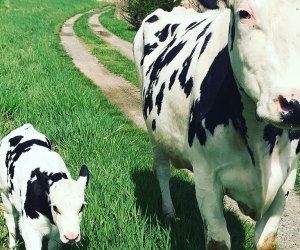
[221, 96]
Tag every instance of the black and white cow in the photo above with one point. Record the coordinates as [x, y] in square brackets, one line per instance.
[221, 92]
[37, 191]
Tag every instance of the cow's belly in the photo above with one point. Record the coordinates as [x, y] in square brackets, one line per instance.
[226, 154]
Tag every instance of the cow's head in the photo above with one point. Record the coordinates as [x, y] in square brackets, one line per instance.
[264, 48]
[66, 197]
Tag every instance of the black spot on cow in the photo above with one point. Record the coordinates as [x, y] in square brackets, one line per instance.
[172, 79]
[49, 144]
[173, 28]
[149, 48]
[203, 31]
[15, 140]
[167, 55]
[152, 19]
[37, 194]
[163, 34]
[14, 154]
[153, 125]
[219, 103]
[295, 135]
[270, 136]
[186, 85]
[232, 32]
[206, 40]
[159, 98]
[193, 25]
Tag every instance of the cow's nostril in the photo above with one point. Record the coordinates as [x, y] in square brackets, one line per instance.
[284, 104]
[289, 110]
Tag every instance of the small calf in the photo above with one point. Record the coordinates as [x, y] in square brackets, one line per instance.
[37, 190]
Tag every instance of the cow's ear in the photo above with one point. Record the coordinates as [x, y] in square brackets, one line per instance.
[209, 4]
[84, 175]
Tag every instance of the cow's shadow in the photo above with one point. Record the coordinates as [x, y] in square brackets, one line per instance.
[187, 230]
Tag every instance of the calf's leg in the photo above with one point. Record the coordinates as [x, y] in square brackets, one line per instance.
[10, 220]
[209, 195]
[161, 166]
[32, 236]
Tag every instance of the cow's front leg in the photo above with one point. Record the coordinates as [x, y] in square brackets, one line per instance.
[10, 220]
[210, 196]
[32, 236]
[161, 166]
[266, 227]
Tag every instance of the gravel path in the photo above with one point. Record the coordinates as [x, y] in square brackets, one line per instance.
[127, 97]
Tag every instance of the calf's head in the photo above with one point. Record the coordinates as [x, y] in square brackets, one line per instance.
[66, 198]
[264, 49]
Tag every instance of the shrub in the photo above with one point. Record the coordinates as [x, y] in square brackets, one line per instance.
[136, 10]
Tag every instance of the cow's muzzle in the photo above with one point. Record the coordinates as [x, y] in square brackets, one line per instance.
[289, 112]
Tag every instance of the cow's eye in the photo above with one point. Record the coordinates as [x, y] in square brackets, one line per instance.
[56, 209]
[81, 209]
[244, 14]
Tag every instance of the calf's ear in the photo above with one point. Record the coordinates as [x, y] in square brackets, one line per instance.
[84, 175]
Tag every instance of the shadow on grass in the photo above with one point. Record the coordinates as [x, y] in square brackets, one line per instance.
[187, 231]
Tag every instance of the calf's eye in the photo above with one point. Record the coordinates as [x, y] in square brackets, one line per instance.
[81, 209]
[244, 14]
[56, 209]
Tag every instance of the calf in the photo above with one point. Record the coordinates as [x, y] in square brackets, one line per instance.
[221, 95]
[37, 191]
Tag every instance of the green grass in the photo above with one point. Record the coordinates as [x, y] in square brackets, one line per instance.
[108, 56]
[119, 27]
[39, 84]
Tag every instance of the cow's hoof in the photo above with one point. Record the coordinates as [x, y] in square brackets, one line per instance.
[269, 243]
[217, 245]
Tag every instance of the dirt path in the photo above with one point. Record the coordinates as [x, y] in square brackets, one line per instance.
[127, 97]
[118, 90]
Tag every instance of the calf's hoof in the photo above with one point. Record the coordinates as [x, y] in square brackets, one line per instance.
[169, 219]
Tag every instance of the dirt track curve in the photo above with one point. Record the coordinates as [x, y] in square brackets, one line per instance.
[127, 97]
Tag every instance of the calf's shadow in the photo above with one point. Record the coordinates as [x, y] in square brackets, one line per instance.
[187, 230]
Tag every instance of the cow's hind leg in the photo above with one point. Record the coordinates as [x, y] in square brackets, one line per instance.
[210, 196]
[10, 220]
[161, 166]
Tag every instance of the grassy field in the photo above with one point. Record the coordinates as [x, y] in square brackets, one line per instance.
[40, 85]
[119, 27]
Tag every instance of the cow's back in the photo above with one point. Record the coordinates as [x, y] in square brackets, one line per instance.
[173, 52]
